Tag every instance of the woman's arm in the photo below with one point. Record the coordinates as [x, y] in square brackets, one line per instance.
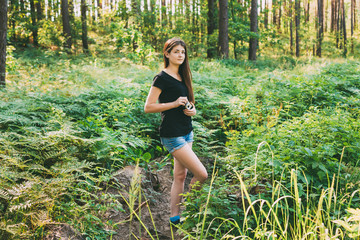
[152, 106]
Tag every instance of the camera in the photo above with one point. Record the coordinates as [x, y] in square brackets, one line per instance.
[188, 106]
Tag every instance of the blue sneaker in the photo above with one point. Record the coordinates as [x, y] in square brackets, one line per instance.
[175, 220]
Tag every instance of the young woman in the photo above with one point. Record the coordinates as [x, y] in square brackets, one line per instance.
[170, 92]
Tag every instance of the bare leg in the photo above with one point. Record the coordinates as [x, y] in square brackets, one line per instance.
[177, 188]
[184, 158]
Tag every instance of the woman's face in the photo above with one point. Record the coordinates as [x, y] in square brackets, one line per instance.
[176, 56]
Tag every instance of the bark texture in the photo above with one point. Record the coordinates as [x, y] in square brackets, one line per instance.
[223, 29]
[253, 43]
[66, 23]
[3, 34]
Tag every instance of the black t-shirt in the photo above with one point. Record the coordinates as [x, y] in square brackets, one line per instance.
[174, 122]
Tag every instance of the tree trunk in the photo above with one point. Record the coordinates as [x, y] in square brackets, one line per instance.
[39, 11]
[223, 29]
[99, 8]
[355, 14]
[187, 11]
[307, 11]
[352, 24]
[297, 27]
[320, 25]
[326, 11]
[266, 17]
[344, 27]
[274, 12]
[3, 41]
[253, 43]
[72, 18]
[66, 23]
[210, 28]
[332, 20]
[34, 27]
[84, 37]
[337, 18]
[291, 27]
[279, 17]
[13, 10]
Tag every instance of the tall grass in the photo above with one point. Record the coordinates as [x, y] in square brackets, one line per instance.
[286, 215]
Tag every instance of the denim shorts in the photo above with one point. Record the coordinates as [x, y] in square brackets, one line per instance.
[175, 143]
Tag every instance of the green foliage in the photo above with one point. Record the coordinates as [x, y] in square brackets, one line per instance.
[68, 123]
[132, 40]
[50, 34]
[10, 60]
[266, 211]
[56, 148]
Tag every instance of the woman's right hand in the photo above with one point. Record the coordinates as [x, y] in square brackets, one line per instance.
[181, 101]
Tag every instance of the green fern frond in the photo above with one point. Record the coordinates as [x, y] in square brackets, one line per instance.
[21, 206]
[5, 195]
[18, 189]
[73, 166]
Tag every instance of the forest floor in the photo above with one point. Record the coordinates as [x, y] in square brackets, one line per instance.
[151, 220]
[154, 210]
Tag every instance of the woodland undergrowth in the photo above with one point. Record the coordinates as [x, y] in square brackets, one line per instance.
[284, 134]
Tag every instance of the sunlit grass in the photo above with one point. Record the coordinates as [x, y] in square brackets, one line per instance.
[286, 216]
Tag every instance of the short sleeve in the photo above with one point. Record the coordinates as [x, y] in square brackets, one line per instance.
[158, 82]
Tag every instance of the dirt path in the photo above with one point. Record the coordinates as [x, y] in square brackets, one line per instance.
[125, 186]
[156, 188]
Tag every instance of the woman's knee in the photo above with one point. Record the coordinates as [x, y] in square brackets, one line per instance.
[180, 176]
[201, 177]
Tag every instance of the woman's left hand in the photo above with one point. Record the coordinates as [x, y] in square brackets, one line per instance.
[190, 112]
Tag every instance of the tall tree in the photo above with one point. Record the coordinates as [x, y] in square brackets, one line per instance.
[353, 22]
[266, 15]
[3, 34]
[274, 11]
[210, 28]
[72, 18]
[320, 26]
[253, 43]
[39, 10]
[84, 37]
[66, 23]
[291, 27]
[34, 27]
[297, 27]
[278, 24]
[307, 11]
[99, 8]
[343, 27]
[163, 14]
[223, 29]
[326, 14]
[337, 18]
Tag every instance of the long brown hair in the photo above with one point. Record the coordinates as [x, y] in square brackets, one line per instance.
[184, 69]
